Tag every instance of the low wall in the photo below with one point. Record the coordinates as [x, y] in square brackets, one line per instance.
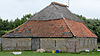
[86, 44]
[68, 44]
[16, 43]
[49, 44]
[61, 44]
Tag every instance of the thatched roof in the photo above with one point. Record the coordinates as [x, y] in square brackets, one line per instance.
[53, 21]
[55, 11]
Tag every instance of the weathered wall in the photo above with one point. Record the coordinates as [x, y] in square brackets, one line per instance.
[49, 44]
[86, 44]
[16, 43]
[62, 44]
[68, 44]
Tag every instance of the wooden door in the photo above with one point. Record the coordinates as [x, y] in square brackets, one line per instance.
[35, 44]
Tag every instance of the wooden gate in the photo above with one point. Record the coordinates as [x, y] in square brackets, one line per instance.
[35, 44]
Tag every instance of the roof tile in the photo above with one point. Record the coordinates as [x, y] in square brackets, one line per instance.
[52, 28]
[79, 29]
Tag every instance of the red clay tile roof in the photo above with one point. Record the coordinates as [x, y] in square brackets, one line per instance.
[79, 29]
[52, 28]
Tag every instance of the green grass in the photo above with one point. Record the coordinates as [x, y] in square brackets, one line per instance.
[7, 31]
[31, 53]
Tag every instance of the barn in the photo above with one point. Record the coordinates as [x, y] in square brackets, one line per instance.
[53, 28]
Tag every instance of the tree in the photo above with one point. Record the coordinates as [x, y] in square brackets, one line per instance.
[25, 18]
[11, 24]
[5, 25]
[17, 22]
[1, 24]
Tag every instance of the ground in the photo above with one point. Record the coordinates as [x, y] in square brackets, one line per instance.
[31, 53]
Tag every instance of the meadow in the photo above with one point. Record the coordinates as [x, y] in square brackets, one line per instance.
[32, 53]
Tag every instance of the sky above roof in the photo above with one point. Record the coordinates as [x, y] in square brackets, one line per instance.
[11, 9]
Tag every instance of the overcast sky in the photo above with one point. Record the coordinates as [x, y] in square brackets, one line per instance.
[11, 9]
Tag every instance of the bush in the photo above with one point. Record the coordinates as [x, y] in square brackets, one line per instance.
[2, 33]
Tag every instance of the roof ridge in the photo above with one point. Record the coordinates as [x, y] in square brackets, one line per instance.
[55, 3]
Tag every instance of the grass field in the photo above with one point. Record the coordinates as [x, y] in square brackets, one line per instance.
[31, 53]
